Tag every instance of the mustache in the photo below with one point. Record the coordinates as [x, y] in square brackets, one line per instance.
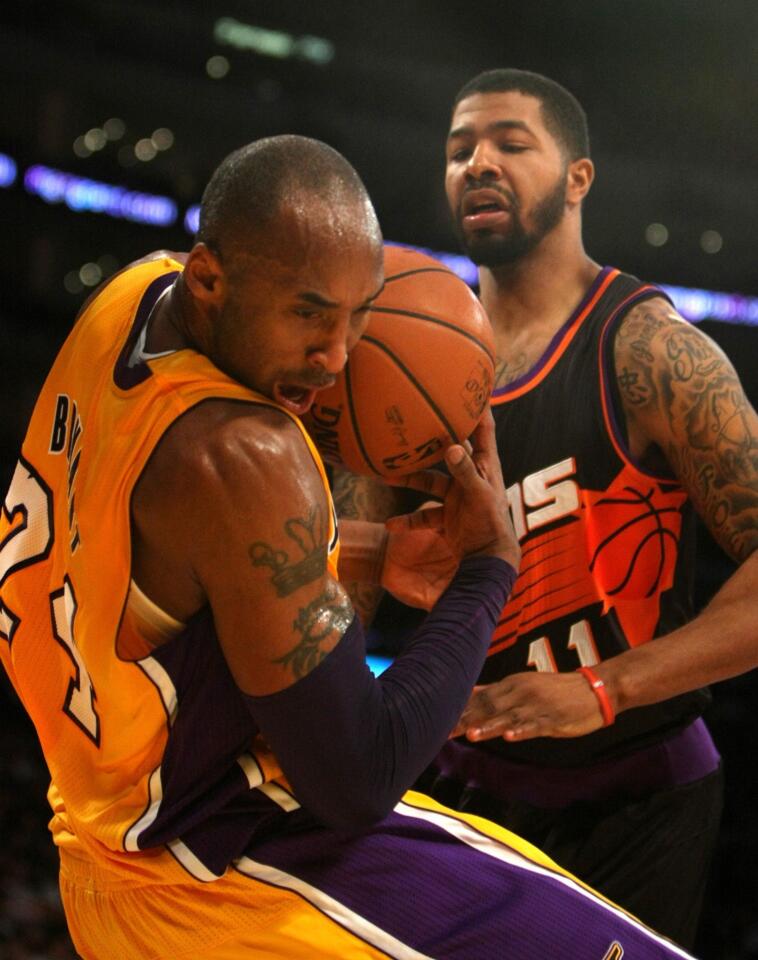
[315, 380]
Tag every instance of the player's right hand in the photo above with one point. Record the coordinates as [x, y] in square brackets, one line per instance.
[473, 516]
[418, 566]
[527, 705]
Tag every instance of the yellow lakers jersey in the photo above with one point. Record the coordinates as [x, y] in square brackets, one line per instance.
[118, 734]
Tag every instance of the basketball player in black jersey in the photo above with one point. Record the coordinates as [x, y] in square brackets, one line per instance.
[610, 410]
[615, 418]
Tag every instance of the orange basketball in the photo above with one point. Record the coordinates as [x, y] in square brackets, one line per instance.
[418, 379]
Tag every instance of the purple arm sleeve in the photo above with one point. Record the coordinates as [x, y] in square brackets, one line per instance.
[351, 744]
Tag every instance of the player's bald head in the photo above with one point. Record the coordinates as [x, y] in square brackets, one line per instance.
[279, 184]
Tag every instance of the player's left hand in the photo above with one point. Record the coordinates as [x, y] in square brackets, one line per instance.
[418, 565]
[527, 705]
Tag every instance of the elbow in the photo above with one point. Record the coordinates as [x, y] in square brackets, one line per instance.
[355, 810]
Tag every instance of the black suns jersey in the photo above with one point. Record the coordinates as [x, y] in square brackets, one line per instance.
[607, 546]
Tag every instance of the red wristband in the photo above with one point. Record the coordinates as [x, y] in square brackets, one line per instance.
[598, 688]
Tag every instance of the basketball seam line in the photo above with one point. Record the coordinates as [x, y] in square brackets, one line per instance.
[442, 323]
[443, 419]
[354, 421]
[411, 273]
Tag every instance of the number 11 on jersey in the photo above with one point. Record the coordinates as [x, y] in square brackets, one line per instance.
[580, 640]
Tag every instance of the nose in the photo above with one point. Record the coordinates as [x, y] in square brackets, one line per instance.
[330, 354]
[484, 163]
[329, 357]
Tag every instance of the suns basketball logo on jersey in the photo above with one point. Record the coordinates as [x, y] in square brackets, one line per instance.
[633, 533]
[645, 531]
[628, 534]
[550, 493]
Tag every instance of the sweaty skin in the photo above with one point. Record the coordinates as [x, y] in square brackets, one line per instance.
[262, 560]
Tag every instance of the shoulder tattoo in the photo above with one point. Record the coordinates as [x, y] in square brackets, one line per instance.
[682, 387]
[309, 553]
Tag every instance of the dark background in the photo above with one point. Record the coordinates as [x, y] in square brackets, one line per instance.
[670, 91]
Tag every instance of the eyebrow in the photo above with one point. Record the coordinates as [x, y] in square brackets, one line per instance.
[492, 128]
[316, 299]
[310, 296]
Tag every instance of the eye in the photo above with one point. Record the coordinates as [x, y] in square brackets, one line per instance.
[360, 315]
[512, 148]
[308, 313]
[458, 156]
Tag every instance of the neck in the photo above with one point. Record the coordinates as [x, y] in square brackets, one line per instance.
[169, 327]
[536, 294]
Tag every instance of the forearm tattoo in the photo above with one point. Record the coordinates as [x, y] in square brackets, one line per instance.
[362, 498]
[288, 575]
[317, 621]
[685, 393]
[365, 598]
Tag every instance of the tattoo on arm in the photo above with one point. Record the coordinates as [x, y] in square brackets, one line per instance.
[688, 399]
[635, 380]
[365, 598]
[309, 533]
[362, 498]
[329, 612]
[317, 621]
[634, 387]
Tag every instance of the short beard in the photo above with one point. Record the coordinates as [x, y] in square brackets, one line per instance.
[501, 249]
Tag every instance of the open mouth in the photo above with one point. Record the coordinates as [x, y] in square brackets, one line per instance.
[486, 218]
[297, 400]
[482, 208]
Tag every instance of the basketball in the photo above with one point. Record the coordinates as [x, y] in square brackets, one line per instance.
[419, 378]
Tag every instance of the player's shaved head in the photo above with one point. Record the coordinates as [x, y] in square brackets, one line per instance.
[251, 189]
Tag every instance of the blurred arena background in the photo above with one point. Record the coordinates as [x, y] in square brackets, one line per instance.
[115, 112]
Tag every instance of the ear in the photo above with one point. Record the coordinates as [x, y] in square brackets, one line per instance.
[204, 276]
[580, 175]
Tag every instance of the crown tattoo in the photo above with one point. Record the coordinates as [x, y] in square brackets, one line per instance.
[308, 534]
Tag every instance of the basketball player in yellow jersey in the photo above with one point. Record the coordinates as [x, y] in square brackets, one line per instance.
[226, 772]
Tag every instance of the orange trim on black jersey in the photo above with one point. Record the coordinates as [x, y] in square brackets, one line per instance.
[543, 367]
